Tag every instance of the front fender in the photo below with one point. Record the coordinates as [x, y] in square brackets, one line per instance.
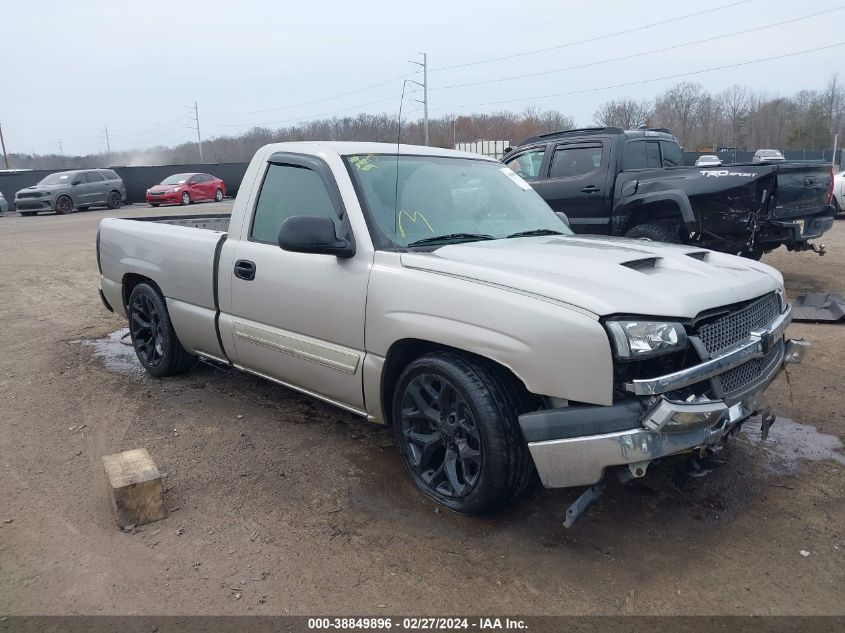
[553, 349]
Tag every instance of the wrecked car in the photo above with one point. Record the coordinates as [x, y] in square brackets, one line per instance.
[436, 292]
[634, 183]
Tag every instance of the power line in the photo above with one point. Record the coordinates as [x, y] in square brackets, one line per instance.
[644, 81]
[642, 54]
[592, 39]
[307, 118]
[157, 128]
[322, 100]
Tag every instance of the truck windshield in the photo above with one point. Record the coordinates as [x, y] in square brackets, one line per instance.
[457, 199]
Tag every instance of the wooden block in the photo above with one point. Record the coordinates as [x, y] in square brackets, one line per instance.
[137, 495]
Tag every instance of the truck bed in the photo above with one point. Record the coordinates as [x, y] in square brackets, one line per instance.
[178, 252]
[212, 222]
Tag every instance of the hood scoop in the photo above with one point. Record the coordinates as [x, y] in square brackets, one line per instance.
[699, 255]
[642, 265]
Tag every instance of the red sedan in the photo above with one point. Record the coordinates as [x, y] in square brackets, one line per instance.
[186, 188]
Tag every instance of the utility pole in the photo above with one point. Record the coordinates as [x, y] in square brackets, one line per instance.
[196, 119]
[61, 152]
[3, 143]
[424, 86]
[105, 137]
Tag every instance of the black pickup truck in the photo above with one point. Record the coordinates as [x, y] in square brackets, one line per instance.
[633, 183]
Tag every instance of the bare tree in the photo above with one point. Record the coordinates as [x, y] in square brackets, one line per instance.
[628, 114]
[735, 102]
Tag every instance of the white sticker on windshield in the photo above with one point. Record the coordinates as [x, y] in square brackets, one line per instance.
[507, 171]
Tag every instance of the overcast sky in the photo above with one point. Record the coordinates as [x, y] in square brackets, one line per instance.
[68, 69]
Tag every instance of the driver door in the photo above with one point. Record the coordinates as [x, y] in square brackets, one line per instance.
[298, 318]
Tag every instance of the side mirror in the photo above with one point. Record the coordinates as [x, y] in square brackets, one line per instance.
[313, 234]
[75, 182]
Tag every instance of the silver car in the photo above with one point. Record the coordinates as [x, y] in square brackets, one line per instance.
[768, 156]
[65, 191]
[4, 206]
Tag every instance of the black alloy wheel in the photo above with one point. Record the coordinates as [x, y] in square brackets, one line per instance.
[443, 446]
[146, 328]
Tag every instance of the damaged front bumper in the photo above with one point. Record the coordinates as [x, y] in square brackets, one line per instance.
[573, 446]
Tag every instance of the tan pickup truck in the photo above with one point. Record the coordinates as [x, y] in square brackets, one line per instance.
[436, 292]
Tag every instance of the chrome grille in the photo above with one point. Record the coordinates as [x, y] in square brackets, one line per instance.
[739, 377]
[737, 326]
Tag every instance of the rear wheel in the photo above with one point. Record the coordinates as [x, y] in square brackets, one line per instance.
[655, 233]
[115, 199]
[186, 199]
[218, 195]
[837, 209]
[64, 205]
[153, 337]
[455, 422]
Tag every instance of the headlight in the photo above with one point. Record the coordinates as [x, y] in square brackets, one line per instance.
[638, 339]
[173, 190]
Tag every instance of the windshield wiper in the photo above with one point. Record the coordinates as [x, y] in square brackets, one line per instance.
[534, 232]
[451, 236]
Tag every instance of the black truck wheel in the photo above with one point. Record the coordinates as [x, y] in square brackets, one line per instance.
[456, 427]
[655, 233]
[153, 337]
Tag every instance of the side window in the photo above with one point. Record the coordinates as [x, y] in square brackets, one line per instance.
[94, 176]
[634, 155]
[203, 178]
[575, 161]
[287, 191]
[527, 165]
[653, 154]
[672, 154]
[110, 175]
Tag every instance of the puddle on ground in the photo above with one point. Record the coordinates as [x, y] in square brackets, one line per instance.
[117, 355]
[790, 441]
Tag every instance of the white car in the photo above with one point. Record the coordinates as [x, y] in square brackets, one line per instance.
[768, 156]
[708, 160]
[839, 192]
[4, 206]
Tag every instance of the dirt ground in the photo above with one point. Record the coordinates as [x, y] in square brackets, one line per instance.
[282, 505]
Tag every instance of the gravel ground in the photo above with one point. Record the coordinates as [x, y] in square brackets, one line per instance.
[282, 505]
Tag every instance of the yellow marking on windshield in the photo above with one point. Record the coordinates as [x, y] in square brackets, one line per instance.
[413, 218]
[364, 163]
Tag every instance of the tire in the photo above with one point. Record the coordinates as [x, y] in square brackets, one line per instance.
[837, 210]
[64, 205]
[185, 200]
[655, 233]
[156, 345]
[153, 204]
[218, 195]
[472, 467]
[115, 200]
[27, 214]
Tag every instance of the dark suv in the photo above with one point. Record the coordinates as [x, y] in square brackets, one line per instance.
[634, 183]
[65, 191]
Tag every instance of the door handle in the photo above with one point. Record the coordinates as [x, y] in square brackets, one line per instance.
[590, 189]
[245, 269]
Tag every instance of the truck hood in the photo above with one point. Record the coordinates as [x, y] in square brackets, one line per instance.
[606, 275]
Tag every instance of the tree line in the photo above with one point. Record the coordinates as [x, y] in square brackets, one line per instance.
[735, 117]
